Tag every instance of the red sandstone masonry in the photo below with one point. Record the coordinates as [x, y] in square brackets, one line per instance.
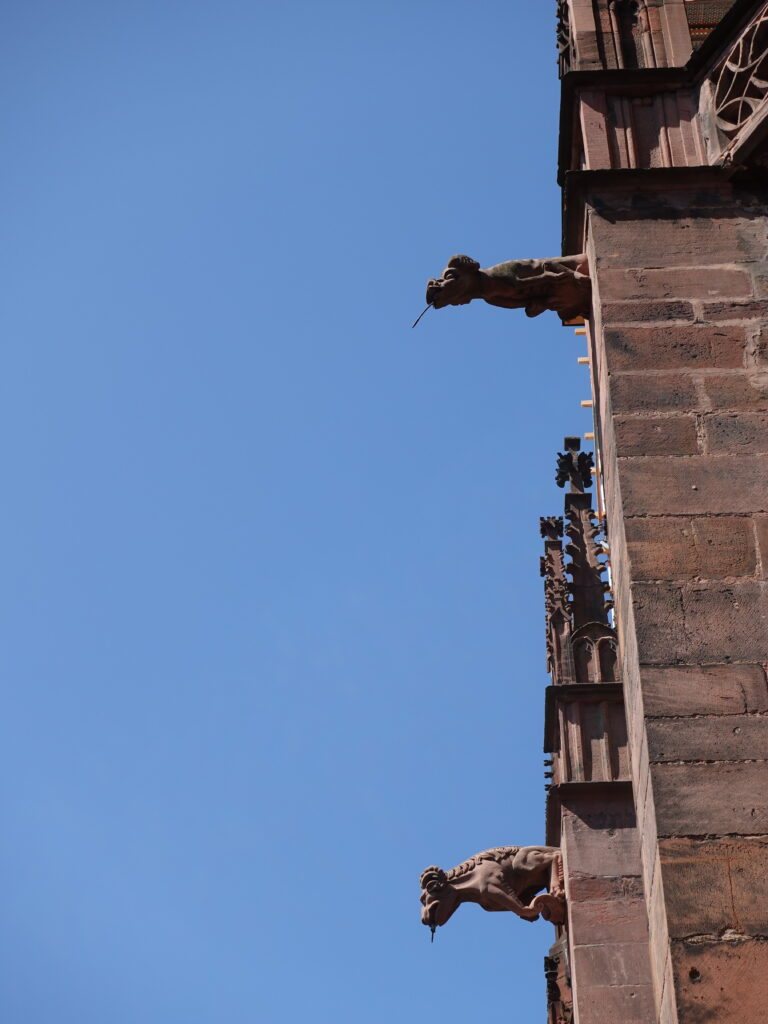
[761, 532]
[630, 1004]
[696, 485]
[701, 623]
[687, 283]
[721, 981]
[640, 312]
[733, 873]
[675, 347]
[687, 548]
[657, 244]
[711, 799]
[689, 504]
[584, 888]
[658, 435]
[736, 391]
[719, 738]
[663, 392]
[704, 689]
[735, 311]
[737, 432]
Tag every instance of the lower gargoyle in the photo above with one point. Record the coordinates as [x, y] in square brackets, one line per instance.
[562, 285]
[504, 878]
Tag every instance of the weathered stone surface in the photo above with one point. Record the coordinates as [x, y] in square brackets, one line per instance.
[667, 283]
[615, 963]
[735, 391]
[642, 312]
[711, 799]
[696, 485]
[682, 242]
[673, 548]
[721, 981]
[659, 623]
[761, 529]
[600, 837]
[655, 435]
[675, 347]
[629, 1004]
[583, 888]
[737, 432]
[704, 689]
[662, 392]
[616, 920]
[734, 875]
[726, 620]
[738, 311]
[715, 738]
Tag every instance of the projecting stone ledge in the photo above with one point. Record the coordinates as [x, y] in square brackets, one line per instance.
[562, 285]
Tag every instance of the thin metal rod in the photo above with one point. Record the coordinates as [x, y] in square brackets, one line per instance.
[420, 316]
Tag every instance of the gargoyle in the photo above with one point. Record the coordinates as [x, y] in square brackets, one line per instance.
[562, 285]
[504, 878]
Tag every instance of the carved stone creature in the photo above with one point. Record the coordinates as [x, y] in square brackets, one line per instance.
[504, 878]
[562, 285]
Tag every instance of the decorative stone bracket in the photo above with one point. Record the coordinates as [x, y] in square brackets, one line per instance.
[504, 878]
[562, 285]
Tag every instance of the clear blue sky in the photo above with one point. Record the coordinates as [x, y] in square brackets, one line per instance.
[272, 619]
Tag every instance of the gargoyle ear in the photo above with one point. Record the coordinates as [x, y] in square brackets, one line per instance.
[463, 263]
[433, 879]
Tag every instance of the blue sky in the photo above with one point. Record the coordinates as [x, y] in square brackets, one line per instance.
[273, 625]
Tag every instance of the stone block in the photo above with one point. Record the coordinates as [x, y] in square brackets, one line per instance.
[662, 392]
[735, 391]
[737, 432]
[711, 738]
[721, 981]
[646, 312]
[659, 623]
[715, 885]
[583, 888]
[680, 242]
[600, 840]
[664, 485]
[704, 689]
[674, 347]
[608, 921]
[676, 282]
[717, 311]
[726, 620]
[711, 799]
[628, 1004]
[655, 435]
[611, 963]
[675, 548]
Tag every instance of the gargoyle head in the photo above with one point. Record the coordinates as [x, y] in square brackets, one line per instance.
[458, 284]
[438, 897]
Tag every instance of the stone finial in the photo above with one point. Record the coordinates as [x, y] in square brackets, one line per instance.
[562, 285]
[574, 467]
[504, 878]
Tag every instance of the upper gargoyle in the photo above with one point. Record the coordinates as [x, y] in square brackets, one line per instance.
[562, 285]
